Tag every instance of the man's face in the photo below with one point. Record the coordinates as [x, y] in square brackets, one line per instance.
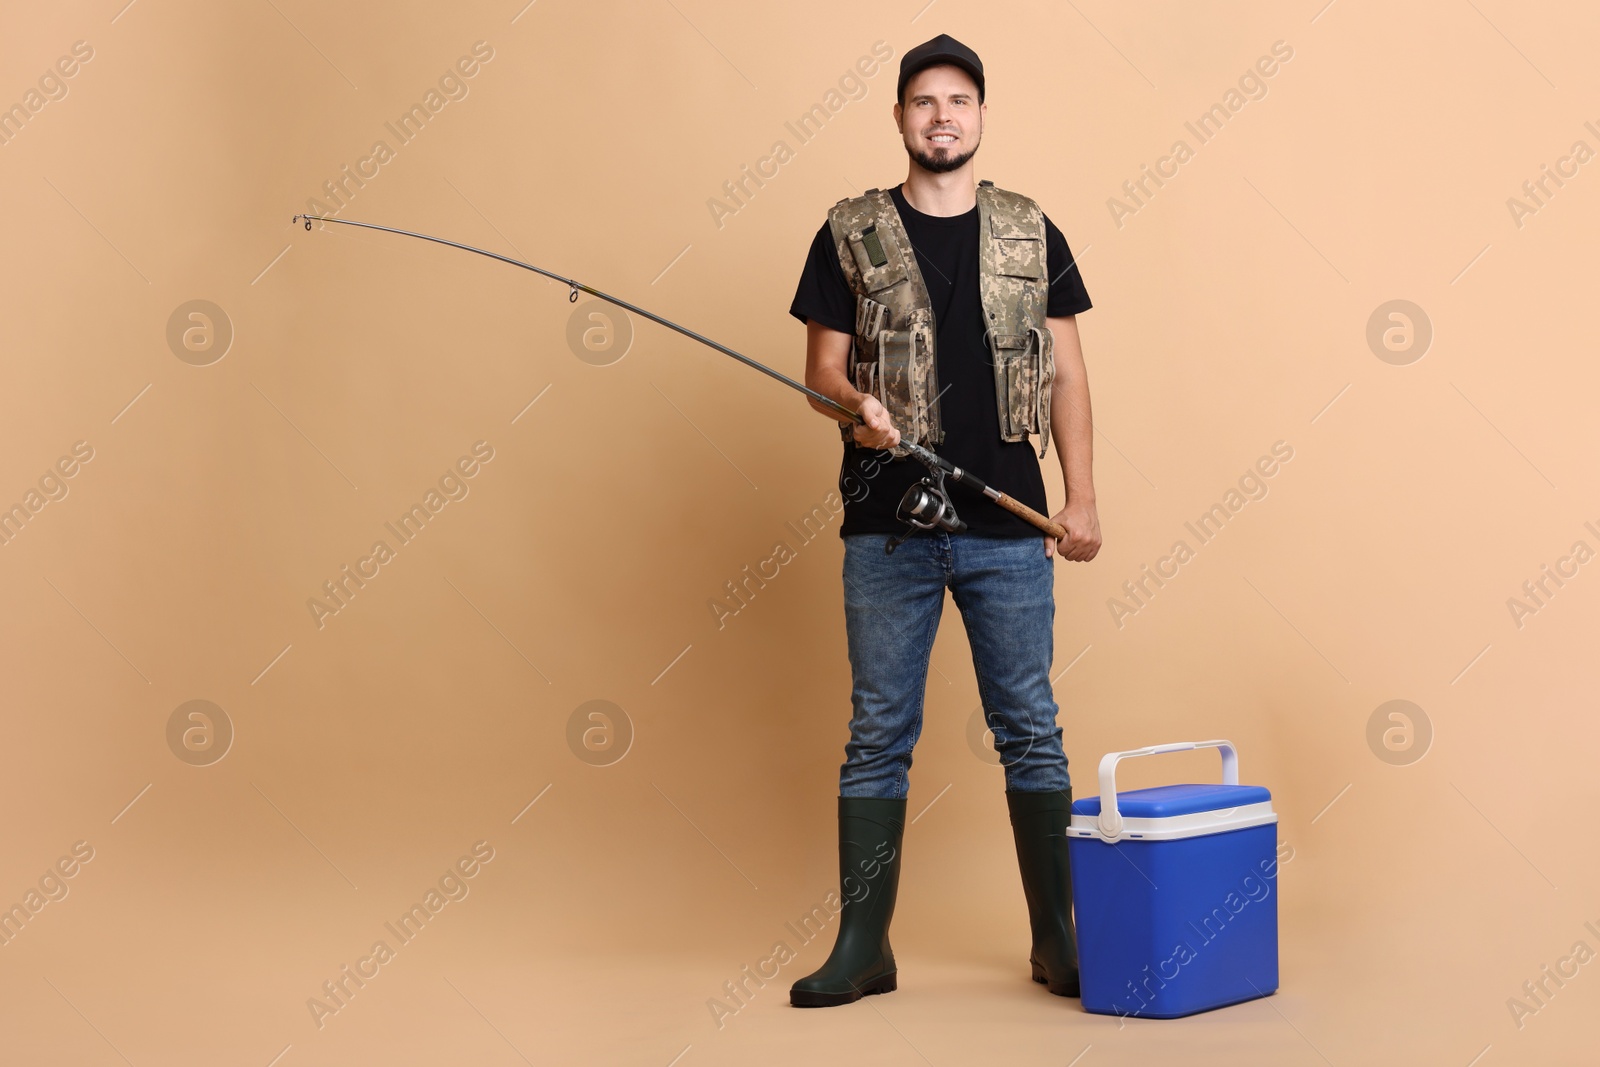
[940, 119]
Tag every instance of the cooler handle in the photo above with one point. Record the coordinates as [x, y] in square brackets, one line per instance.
[1110, 818]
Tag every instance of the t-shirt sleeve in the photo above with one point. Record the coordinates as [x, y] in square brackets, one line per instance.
[1067, 294]
[823, 295]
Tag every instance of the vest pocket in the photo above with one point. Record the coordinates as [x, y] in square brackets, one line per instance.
[1021, 394]
[1047, 362]
[875, 276]
[1019, 257]
[1019, 380]
[1047, 378]
[871, 317]
[894, 376]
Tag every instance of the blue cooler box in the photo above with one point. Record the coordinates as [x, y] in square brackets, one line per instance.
[1175, 892]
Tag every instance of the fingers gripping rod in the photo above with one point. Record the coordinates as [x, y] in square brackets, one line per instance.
[926, 457]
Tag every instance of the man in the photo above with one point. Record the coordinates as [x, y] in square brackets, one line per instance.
[943, 311]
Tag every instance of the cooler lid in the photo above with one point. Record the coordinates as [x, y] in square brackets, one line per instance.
[1166, 801]
[1169, 812]
[1173, 812]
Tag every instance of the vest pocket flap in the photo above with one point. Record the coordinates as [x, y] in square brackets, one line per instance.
[1002, 224]
[888, 268]
[1019, 257]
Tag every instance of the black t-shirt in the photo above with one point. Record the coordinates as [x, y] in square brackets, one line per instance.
[871, 482]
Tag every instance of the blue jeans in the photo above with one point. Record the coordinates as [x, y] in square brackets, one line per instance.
[1005, 591]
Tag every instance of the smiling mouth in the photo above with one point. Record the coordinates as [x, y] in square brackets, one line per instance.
[943, 139]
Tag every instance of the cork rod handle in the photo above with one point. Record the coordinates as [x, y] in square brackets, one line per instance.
[1027, 514]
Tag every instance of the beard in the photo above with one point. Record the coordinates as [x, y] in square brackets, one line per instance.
[942, 163]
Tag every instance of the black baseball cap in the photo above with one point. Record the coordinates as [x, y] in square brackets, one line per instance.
[942, 49]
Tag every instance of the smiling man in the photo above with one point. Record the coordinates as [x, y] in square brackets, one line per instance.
[943, 311]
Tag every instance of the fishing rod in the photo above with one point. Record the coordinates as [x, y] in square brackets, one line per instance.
[925, 506]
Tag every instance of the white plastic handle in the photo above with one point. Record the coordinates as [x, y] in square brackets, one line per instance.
[1110, 818]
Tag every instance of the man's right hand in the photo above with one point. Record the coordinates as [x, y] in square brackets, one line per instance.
[879, 432]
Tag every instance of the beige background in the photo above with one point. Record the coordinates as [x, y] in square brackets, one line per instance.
[1231, 313]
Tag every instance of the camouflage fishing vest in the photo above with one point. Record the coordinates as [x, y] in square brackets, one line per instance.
[891, 351]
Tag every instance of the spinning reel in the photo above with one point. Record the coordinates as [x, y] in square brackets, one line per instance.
[926, 506]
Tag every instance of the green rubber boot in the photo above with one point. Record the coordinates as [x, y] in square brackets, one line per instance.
[1039, 825]
[861, 962]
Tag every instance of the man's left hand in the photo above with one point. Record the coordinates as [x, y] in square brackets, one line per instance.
[1082, 523]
